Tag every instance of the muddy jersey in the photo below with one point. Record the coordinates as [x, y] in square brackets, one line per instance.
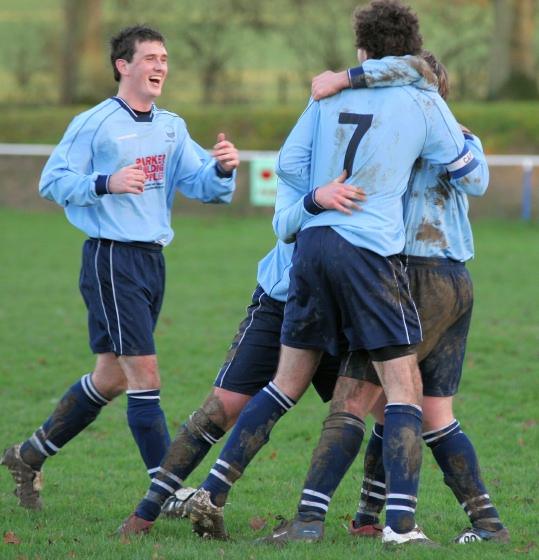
[435, 206]
[110, 136]
[436, 210]
[376, 134]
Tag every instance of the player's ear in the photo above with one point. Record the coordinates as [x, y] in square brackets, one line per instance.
[121, 66]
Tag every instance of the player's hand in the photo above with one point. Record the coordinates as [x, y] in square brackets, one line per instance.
[336, 195]
[129, 180]
[464, 129]
[226, 154]
[329, 83]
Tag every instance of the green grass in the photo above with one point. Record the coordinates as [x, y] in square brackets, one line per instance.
[97, 480]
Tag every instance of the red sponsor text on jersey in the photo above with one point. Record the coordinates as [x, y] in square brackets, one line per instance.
[153, 166]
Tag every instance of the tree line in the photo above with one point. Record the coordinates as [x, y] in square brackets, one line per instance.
[488, 46]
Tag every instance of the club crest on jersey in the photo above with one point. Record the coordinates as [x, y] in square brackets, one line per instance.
[169, 131]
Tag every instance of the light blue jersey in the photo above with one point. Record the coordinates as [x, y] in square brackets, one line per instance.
[377, 135]
[274, 269]
[435, 206]
[110, 136]
[436, 209]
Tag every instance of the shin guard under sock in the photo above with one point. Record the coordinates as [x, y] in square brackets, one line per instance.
[373, 489]
[191, 444]
[456, 457]
[146, 420]
[402, 463]
[339, 444]
[250, 434]
[78, 408]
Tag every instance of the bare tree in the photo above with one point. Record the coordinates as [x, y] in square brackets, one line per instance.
[512, 68]
[83, 71]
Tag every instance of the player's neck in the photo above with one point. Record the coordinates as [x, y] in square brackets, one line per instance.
[137, 103]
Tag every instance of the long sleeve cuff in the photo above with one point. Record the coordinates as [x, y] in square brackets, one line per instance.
[357, 78]
[102, 185]
[221, 173]
[311, 205]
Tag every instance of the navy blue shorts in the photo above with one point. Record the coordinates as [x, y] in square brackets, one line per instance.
[443, 292]
[253, 357]
[123, 285]
[339, 289]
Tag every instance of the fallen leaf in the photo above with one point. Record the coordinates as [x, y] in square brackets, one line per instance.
[527, 548]
[257, 523]
[10, 538]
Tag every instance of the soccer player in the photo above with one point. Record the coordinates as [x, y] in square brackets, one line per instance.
[115, 172]
[249, 366]
[438, 243]
[346, 276]
[253, 358]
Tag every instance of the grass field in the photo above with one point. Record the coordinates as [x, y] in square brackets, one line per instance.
[98, 479]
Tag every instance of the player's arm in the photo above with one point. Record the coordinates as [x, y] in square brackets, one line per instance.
[385, 72]
[69, 176]
[446, 145]
[335, 195]
[199, 174]
[474, 182]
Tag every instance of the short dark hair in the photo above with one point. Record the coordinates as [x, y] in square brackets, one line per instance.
[387, 28]
[123, 44]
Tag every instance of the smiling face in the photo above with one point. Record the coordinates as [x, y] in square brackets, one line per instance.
[142, 79]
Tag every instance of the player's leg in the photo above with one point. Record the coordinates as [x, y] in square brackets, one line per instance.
[339, 444]
[78, 408]
[81, 403]
[457, 459]
[448, 319]
[205, 427]
[356, 391]
[123, 285]
[402, 446]
[145, 416]
[373, 487]
[250, 434]
[249, 366]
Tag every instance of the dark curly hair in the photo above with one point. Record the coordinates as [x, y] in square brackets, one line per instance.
[123, 44]
[387, 28]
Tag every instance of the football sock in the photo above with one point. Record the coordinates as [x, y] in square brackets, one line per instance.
[146, 420]
[373, 489]
[78, 408]
[455, 454]
[402, 462]
[191, 444]
[339, 444]
[250, 434]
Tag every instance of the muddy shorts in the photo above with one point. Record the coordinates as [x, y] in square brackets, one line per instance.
[251, 361]
[123, 286]
[443, 292]
[337, 288]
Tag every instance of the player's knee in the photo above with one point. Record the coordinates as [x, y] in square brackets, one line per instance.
[203, 427]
